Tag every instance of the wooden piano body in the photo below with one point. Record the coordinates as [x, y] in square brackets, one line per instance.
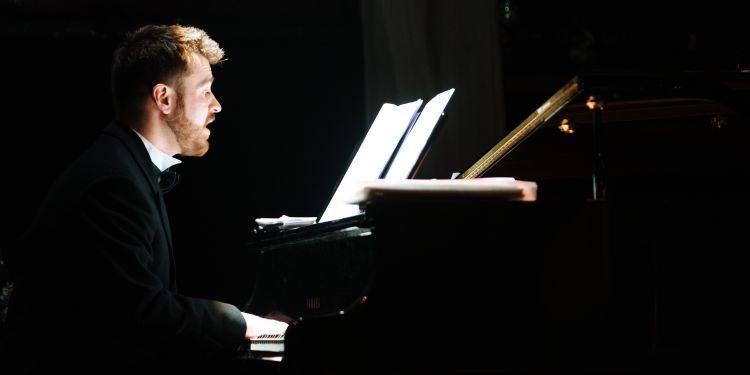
[631, 260]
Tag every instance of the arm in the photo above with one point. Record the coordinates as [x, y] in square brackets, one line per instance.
[123, 250]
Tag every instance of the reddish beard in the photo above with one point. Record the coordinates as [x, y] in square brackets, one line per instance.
[189, 135]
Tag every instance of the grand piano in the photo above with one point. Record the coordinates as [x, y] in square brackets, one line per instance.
[629, 261]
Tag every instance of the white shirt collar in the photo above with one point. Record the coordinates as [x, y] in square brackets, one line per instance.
[159, 158]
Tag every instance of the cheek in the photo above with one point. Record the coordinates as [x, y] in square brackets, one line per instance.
[195, 112]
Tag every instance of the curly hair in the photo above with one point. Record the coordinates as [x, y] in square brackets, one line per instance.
[155, 54]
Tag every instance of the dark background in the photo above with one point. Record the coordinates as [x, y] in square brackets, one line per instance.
[297, 95]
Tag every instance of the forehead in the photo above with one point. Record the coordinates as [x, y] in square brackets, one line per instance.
[199, 70]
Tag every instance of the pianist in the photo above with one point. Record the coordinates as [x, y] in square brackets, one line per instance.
[95, 288]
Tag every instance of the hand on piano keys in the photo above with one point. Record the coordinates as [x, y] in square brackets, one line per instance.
[258, 326]
[273, 344]
[267, 347]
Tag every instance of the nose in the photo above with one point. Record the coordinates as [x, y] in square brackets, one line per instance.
[215, 106]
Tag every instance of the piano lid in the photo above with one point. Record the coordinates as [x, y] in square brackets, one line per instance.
[684, 124]
[525, 129]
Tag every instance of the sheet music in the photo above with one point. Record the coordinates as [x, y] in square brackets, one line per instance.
[415, 141]
[372, 156]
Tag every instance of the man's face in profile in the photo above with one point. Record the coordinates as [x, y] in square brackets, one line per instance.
[196, 108]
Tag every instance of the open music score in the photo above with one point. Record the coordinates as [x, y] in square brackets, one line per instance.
[393, 145]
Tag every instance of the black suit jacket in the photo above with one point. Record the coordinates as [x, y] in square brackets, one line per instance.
[95, 278]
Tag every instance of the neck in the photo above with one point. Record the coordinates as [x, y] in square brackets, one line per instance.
[158, 133]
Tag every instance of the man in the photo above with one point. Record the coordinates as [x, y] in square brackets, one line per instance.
[95, 285]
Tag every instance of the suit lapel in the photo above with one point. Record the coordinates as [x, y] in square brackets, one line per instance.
[142, 159]
[168, 232]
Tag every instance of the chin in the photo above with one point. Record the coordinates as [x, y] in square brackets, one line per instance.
[203, 150]
[197, 150]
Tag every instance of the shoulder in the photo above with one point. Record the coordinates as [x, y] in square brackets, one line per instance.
[116, 153]
[112, 163]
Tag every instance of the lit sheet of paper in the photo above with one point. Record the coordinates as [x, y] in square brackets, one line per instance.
[415, 141]
[372, 156]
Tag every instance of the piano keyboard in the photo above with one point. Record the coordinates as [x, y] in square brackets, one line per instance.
[268, 343]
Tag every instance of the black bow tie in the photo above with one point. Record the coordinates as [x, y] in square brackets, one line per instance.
[166, 179]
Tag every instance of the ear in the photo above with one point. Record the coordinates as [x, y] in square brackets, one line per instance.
[163, 97]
